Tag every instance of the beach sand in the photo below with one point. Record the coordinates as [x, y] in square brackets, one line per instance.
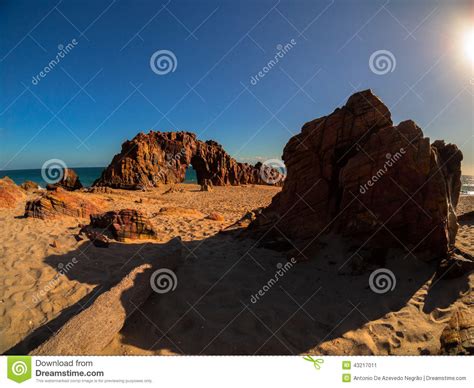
[321, 306]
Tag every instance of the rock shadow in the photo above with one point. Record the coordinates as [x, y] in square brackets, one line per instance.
[234, 297]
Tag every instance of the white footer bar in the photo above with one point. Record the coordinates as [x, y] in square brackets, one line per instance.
[236, 371]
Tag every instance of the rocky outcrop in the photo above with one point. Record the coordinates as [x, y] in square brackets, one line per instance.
[30, 186]
[69, 181]
[156, 158]
[61, 202]
[213, 164]
[458, 336]
[126, 224]
[206, 185]
[10, 193]
[355, 173]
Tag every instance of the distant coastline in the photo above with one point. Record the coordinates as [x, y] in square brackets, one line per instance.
[87, 175]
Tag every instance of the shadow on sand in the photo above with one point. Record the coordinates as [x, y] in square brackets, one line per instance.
[230, 298]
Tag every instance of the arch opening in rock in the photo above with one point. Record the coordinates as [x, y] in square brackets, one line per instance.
[156, 158]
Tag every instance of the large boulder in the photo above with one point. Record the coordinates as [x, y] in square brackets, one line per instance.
[126, 224]
[60, 202]
[30, 186]
[10, 193]
[355, 173]
[457, 337]
[69, 181]
[156, 158]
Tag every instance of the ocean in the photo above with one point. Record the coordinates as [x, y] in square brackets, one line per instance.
[467, 184]
[87, 175]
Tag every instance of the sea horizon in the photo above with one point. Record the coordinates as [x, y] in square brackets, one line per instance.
[87, 175]
[332, 223]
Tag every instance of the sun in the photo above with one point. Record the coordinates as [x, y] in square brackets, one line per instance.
[469, 44]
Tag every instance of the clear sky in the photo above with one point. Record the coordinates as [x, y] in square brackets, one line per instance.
[103, 91]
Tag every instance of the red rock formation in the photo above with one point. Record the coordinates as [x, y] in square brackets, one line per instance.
[355, 173]
[149, 160]
[69, 181]
[10, 193]
[60, 202]
[30, 186]
[125, 224]
[213, 163]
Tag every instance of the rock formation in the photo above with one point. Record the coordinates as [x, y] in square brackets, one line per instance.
[206, 185]
[61, 202]
[10, 193]
[149, 160]
[69, 181]
[355, 173]
[458, 336]
[30, 186]
[126, 224]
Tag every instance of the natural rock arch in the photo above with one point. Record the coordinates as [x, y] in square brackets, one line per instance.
[149, 160]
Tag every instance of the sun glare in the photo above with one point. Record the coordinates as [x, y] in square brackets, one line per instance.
[469, 44]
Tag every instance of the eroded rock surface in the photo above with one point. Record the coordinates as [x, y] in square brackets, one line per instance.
[69, 181]
[30, 186]
[149, 160]
[126, 224]
[10, 193]
[61, 202]
[458, 336]
[353, 172]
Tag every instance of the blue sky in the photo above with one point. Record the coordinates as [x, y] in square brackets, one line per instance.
[219, 46]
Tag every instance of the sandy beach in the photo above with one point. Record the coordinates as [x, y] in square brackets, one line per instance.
[321, 306]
